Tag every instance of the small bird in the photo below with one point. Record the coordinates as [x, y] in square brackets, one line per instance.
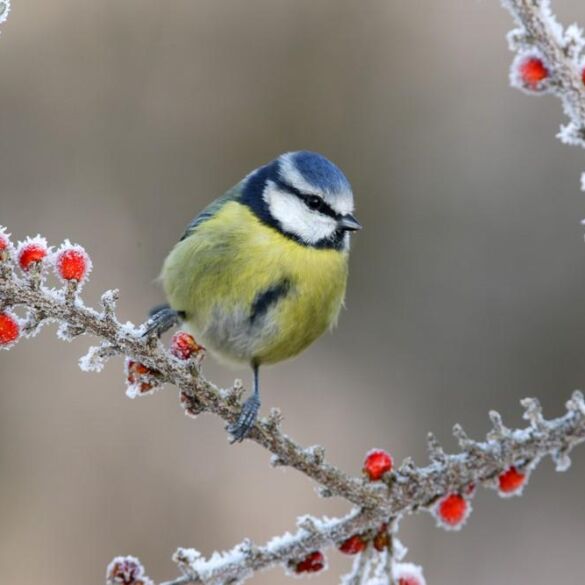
[261, 272]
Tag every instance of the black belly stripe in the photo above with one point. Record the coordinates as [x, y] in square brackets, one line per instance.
[268, 298]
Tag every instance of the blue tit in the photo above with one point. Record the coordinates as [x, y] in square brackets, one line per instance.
[261, 272]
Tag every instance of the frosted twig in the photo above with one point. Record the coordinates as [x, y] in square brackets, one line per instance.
[549, 60]
[415, 491]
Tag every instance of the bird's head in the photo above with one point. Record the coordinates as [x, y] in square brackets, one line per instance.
[306, 197]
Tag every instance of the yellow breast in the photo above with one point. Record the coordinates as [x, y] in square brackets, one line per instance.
[216, 274]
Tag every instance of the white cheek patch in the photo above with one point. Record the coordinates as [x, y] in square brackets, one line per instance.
[295, 218]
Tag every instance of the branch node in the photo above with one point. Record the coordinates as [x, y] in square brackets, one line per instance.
[274, 419]
[316, 454]
[108, 300]
[436, 452]
[533, 413]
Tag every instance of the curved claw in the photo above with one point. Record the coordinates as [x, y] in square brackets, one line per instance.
[162, 318]
[246, 420]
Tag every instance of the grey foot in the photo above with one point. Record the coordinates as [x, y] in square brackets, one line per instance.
[162, 318]
[246, 420]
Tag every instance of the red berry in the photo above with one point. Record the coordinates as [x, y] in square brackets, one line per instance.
[72, 263]
[408, 580]
[9, 329]
[511, 481]
[31, 252]
[126, 571]
[376, 464]
[5, 245]
[583, 75]
[382, 538]
[408, 574]
[183, 345]
[312, 563]
[353, 545]
[532, 72]
[137, 375]
[452, 510]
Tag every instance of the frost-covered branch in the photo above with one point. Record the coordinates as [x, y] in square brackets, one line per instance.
[381, 496]
[503, 461]
[4, 10]
[549, 59]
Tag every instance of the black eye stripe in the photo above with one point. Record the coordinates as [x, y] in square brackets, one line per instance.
[323, 208]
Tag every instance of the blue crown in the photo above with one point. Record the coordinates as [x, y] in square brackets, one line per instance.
[318, 171]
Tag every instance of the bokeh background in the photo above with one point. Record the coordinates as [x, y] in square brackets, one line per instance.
[119, 120]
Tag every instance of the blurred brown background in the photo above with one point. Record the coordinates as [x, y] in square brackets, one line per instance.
[121, 119]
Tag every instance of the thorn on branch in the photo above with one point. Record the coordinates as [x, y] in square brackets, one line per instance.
[436, 452]
[533, 413]
[109, 301]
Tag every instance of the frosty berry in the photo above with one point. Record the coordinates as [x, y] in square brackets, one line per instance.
[31, 252]
[353, 545]
[9, 329]
[312, 563]
[184, 346]
[72, 263]
[376, 464]
[511, 481]
[452, 510]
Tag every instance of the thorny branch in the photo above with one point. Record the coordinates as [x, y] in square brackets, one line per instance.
[540, 37]
[404, 490]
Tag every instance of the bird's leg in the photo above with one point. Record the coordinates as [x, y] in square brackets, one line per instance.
[247, 418]
[161, 319]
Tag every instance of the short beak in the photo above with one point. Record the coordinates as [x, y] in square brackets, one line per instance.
[349, 223]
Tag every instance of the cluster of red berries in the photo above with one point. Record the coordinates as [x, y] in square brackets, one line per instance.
[453, 509]
[143, 380]
[126, 571]
[312, 563]
[357, 543]
[71, 263]
[377, 463]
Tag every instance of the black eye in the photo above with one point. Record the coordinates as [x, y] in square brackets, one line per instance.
[314, 202]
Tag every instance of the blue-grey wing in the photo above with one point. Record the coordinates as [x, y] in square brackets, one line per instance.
[212, 209]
